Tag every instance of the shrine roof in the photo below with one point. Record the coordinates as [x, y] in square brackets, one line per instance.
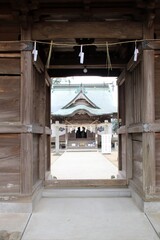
[100, 95]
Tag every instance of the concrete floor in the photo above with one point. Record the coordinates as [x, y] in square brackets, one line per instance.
[84, 214]
[84, 218]
[82, 165]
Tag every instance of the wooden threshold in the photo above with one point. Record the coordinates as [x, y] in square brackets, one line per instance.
[86, 183]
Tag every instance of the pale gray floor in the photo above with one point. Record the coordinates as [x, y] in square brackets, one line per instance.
[82, 165]
[88, 219]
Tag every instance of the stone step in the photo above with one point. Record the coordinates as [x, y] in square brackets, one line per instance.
[86, 193]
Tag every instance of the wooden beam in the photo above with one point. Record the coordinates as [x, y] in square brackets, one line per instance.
[48, 79]
[122, 130]
[79, 66]
[135, 128]
[39, 65]
[155, 45]
[10, 55]
[9, 46]
[121, 78]
[132, 64]
[114, 29]
[85, 183]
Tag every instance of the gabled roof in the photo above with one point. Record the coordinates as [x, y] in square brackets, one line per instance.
[97, 100]
[78, 99]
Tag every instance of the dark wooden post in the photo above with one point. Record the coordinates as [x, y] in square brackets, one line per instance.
[148, 139]
[129, 120]
[26, 116]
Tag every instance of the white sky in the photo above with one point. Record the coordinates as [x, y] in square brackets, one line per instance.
[94, 79]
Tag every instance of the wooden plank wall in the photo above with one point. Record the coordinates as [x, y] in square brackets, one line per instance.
[130, 152]
[10, 88]
[24, 122]
[9, 163]
[141, 130]
[137, 160]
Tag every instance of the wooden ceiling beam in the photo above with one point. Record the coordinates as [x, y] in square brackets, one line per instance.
[89, 66]
[113, 29]
[74, 12]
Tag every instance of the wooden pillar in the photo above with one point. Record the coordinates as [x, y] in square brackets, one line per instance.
[129, 120]
[26, 117]
[148, 116]
[148, 139]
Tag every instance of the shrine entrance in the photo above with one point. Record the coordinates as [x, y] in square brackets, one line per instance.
[84, 140]
[40, 40]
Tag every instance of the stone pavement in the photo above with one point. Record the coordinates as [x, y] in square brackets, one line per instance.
[82, 217]
[82, 165]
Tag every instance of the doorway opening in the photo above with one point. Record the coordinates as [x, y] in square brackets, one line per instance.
[84, 142]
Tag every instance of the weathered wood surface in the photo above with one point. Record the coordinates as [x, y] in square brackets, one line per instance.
[118, 29]
[136, 79]
[26, 169]
[129, 98]
[148, 86]
[121, 105]
[35, 158]
[157, 157]
[149, 165]
[85, 183]
[10, 98]
[137, 159]
[9, 163]
[14, 46]
[157, 87]
[10, 66]
[129, 157]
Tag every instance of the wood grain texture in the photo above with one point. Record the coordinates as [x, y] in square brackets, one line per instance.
[86, 183]
[119, 30]
[148, 86]
[26, 163]
[9, 98]
[157, 157]
[157, 87]
[137, 159]
[35, 158]
[149, 163]
[10, 66]
[10, 163]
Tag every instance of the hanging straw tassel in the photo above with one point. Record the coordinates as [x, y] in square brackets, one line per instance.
[108, 60]
[49, 55]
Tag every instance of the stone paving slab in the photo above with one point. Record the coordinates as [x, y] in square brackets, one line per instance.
[13, 225]
[155, 221]
[88, 219]
[83, 165]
